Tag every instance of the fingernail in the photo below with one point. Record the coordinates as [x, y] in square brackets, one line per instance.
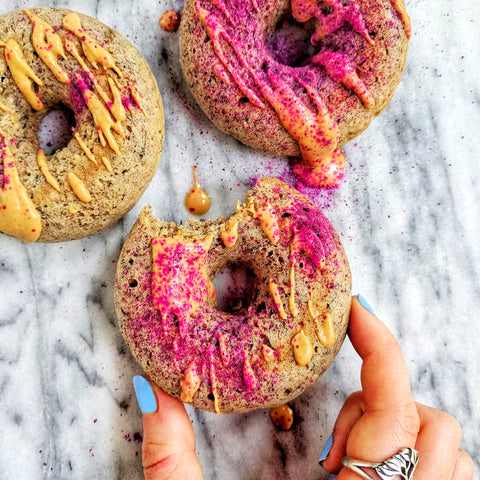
[326, 449]
[332, 476]
[145, 396]
[365, 304]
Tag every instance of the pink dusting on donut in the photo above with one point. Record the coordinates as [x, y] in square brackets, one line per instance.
[307, 241]
[327, 173]
[304, 10]
[237, 34]
[179, 281]
[127, 102]
[342, 70]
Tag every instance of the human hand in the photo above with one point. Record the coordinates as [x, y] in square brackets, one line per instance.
[376, 423]
[168, 451]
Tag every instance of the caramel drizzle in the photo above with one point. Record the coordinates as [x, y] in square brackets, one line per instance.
[18, 215]
[190, 383]
[43, 165]
[107, 164]
[79, 188]
[223, 350]
[255, 5]
[22, 73]
[272, 286]
[72, 50]
[400, 8]
[325, 331]
[302, 349]
[48, 45]
[229, 233]
[3, 107]
[341, 69]
[220, 4]
[216, 32]
[291, 300]
[84, 147]
[213, 381]
[138, 100]
[94, 52]
[304, 10]
[116, 107]
[317, 133]
[268, 353]
[222, 74]
[248, 373]
[103, 120]
[268, 222]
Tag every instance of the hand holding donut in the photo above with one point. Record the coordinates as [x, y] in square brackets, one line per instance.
[373, 425]
[381, 420]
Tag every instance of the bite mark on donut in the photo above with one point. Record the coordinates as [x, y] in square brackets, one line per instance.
[240, 356]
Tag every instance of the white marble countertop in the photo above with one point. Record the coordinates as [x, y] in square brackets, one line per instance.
[408, 212]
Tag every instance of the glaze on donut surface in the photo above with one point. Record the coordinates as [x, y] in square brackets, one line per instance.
[285, 333]
[51, 57]
[280, 94]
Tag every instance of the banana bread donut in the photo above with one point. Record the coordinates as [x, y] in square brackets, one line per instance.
[52, 57]
[262, 352]
[254, 72]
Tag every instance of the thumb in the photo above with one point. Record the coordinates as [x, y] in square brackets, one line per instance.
[168, 439]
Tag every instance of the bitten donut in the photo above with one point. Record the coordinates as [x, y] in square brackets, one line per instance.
[53, 57]
[256, 74]
[266, 349]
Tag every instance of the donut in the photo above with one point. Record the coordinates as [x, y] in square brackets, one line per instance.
[54, 58]
[283, 329]
[257, 75]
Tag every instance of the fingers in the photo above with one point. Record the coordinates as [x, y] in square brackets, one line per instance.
[350, 413]
[390, 421]
[384, 375]
[464, 466]
[379, 421]
[168, 437]
[438, 445]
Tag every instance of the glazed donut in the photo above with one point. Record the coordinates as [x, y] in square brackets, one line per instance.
[274, 90]
[279, 336]
[53, 57]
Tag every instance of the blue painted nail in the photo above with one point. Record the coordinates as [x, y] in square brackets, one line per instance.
[365, 304]
[145, 396]
[332, 476]
[326, 449]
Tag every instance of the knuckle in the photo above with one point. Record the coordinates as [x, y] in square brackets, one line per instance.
[164, 469]
[450, 426]
[465, 465]
[406, 427]
[353, 398]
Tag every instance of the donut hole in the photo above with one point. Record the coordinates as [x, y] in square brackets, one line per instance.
[235, 286]
[56, 129]
[290, 43]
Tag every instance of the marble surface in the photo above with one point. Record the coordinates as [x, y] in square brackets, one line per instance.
[408, 212]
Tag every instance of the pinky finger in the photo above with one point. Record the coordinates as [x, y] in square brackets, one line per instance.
[464, 467]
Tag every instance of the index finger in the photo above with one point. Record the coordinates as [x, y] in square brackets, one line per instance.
[384, 374]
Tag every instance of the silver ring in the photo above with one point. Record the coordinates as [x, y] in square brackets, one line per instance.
[402, 464]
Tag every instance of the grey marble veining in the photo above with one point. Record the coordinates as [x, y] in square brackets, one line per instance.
[408, 212]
